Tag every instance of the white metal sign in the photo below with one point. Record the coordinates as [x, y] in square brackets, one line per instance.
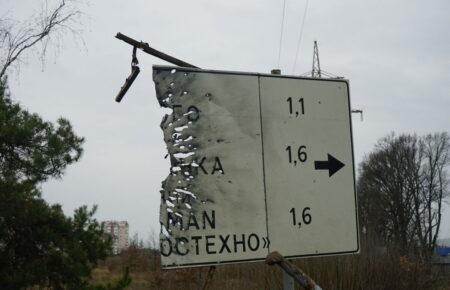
[259, 163]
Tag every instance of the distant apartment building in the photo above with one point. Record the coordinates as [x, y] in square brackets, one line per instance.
[118, 230]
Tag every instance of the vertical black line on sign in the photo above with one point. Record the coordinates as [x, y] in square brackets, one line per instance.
[263, 163]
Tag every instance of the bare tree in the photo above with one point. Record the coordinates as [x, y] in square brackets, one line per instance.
[434, 188]
[401, 188]
[386, 204]
[50, 24]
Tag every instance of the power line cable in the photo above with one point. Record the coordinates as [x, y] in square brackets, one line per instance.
[281, 33]
[300, 37]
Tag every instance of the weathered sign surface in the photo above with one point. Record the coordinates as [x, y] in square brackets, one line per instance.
[258, 163]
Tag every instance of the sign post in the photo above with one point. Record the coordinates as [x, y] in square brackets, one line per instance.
[288, 281]
[258, 163]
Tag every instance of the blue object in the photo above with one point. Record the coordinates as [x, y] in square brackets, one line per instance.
[442, 251]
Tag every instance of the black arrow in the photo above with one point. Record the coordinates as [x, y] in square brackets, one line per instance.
[332, 165]
[266, 242]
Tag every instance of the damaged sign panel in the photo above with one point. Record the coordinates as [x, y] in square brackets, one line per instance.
[258, 163]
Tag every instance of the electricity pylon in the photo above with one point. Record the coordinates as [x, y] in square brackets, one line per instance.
[316, 72]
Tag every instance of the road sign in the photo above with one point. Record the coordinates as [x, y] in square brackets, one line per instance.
[258, 163]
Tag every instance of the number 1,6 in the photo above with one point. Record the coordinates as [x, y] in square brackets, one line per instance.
[291, 107]
[305, 218]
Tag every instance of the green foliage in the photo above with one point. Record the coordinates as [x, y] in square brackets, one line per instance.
[39, 245]
[32, 150]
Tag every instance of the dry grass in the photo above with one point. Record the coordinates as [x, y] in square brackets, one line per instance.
[358, 272]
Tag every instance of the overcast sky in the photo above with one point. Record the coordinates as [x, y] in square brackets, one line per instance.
[396, 55]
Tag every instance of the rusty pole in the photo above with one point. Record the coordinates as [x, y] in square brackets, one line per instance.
[297, 274]
[146, 48]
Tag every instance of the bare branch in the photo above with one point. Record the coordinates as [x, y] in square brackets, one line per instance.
[16, 38]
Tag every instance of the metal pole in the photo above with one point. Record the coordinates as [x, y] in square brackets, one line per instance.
[288, 281]
[291, 270]
[128, 82]
[146, 48]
